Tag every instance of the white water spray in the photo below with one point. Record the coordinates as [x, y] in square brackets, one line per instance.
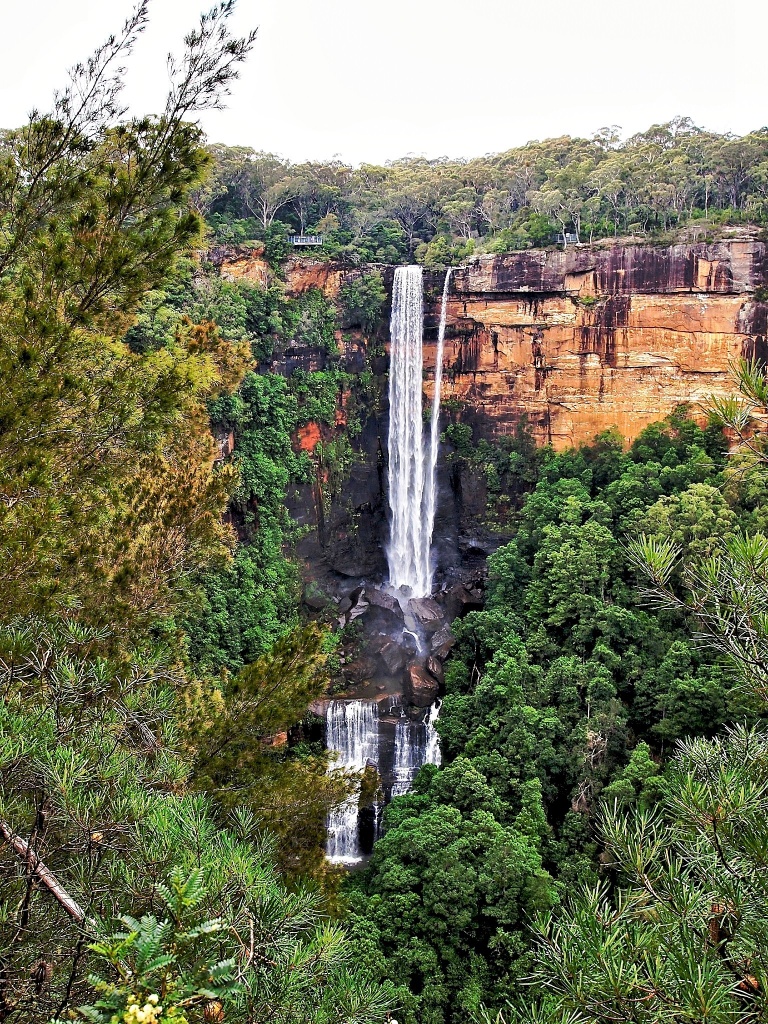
[430, 493]
[412, 469]
[416, 744]
[352, 730]
[432, 753]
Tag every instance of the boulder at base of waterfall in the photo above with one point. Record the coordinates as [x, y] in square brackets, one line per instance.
[360, 670]
[409, 642]
[359, 605]
[375, 644]
[384, 608]
[442, 643]
[435, 668]
[381, 599]
[393, 656]
[421, 688]
[427, 613]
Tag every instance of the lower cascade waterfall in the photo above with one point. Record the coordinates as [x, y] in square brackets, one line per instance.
[432, 753]
[412, 463]
[416, 744]
[352, 730]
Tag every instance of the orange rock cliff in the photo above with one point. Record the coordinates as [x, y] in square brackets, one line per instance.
[584, 339]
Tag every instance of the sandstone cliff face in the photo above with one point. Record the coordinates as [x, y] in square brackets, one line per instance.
[237, 263]
[578, 341]
[585, 340]
[731, 266]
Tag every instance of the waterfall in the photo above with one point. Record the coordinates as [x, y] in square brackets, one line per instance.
[352, 730]
[432, 753]
[406, 552]
[430, 496]
[410, 747]
[416, 744]
[412, 469]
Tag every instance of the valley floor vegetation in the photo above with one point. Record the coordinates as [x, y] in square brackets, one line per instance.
[593, 847]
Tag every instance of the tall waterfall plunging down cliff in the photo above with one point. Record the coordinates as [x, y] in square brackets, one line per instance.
[408, 551]
[430, 493]
[352, 730]
[412, 469]
[416, 744]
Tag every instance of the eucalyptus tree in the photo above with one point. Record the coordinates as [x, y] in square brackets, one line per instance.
[267, 186]
[319, 190]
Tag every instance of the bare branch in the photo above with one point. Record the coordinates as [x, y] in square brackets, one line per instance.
[42, 873]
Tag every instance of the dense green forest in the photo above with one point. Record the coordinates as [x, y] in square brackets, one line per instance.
[564, 695]
[674, 178]
[594, 846]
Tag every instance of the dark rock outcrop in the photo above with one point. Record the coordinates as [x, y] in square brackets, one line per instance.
[435, 668]
[427, 613]
[359, 605]
[394, 656]
[443, 643]
[421, 688]
[383, 611]
[360, 670]
[386, 602]
[460, 599]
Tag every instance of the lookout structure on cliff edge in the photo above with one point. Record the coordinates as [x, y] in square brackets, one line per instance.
[305, 239]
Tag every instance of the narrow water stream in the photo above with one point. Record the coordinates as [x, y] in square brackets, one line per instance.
[416, 744]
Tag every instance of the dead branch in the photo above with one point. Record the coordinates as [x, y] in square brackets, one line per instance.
[43, 874]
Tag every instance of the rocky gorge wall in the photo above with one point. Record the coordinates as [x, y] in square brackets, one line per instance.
[584, 340]
[577, 341]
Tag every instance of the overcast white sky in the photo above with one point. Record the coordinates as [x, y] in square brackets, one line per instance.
[378, 79]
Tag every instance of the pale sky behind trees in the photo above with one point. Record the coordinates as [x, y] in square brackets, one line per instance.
[373, 80]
